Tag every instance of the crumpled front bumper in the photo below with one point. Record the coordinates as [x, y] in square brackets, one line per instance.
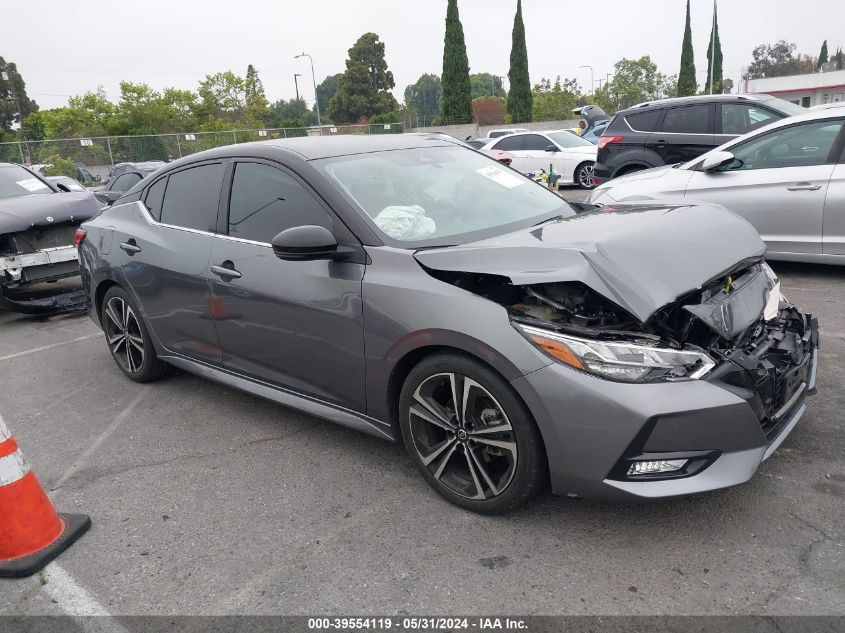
[12, 266]
[49, 264]
[593, 427]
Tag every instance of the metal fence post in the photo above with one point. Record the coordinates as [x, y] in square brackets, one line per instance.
[20, 149]
[179, 146]
[234, 136]
[111, 157]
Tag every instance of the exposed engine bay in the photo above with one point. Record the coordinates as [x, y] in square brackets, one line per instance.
[760, 344]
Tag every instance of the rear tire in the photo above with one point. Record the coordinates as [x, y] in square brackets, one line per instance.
[585, 176]
[128, 338]
[485, 455]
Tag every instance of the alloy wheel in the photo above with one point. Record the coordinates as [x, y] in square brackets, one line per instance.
[586, 175]
[462, 436]
[123, 333]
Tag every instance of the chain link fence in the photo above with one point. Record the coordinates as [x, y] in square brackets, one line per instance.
[91, 160]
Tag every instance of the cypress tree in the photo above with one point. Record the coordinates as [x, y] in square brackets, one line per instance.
[822, 56]
[716, 60]
[687, 85]
[454, 85]
[519, 96]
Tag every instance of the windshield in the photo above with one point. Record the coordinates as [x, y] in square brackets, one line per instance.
[17, 181]
[437, 196]
[568, 139]
[787, 107]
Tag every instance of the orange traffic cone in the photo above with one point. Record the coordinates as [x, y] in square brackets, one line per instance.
[31, 532]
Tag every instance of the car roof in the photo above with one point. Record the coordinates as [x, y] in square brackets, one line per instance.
[659, 103]
[317, 147]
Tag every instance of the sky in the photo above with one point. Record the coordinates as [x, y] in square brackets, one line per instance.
[164, 43]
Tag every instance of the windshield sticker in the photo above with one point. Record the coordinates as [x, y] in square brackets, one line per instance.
[31, 184]
[501, 177]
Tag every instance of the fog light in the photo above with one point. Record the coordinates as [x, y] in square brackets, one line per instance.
[656, 466]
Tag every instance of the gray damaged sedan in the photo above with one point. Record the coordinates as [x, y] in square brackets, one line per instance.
[414, 289]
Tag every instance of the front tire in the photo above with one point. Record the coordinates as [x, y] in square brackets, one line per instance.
[585, 176]
[129, 341]
[470, 436]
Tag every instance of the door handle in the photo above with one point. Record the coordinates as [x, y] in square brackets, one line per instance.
[225, 272]
[804, 186]
[130, 247]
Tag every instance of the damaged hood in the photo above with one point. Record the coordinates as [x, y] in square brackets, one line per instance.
[641, 256]
[19, 213]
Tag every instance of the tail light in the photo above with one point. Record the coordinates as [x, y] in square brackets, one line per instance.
[604, 141]
[78, 237]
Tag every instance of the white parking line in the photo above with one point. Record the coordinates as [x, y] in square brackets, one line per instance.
[102, 437]
[70, 595]
[43, 348]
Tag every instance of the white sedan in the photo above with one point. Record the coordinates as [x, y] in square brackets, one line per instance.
[787, 179]
[569, 155]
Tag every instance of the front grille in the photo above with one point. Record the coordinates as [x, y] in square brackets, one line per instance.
[768, 372]
[40, 237]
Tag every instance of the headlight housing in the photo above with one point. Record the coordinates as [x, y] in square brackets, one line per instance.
[626, 361]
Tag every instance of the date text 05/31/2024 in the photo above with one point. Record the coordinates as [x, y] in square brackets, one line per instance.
[416, 623]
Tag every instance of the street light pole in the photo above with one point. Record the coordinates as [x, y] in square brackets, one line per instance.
[316, 98]
[296, 84]
[592, 81]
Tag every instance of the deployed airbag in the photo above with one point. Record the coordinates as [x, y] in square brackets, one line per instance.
[405, 223]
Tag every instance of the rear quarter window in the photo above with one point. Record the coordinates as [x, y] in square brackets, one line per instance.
[192, 197]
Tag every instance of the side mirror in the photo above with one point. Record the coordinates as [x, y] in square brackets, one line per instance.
[303, 243]
[715, 160]
[551, 148]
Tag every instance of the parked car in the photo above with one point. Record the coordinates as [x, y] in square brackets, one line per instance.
[124, 177]
[672, 131]
[593, 120]
[787, 179]
[413, 289]
[477, 143]
[505, 132]
[569, 155]
[65, 183]
[37, 229]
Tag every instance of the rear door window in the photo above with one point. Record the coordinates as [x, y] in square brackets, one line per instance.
[192, 197]
[644, 121]
[802, 145]
[536, 143]
[511, 143]
[125, 182]
[694, 119]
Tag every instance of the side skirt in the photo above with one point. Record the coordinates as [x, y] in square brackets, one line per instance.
[318, 408]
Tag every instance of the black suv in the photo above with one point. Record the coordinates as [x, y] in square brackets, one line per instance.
[677, 130]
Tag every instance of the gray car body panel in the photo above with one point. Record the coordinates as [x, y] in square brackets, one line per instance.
[379, 316]
[640, 256]
[21, 213]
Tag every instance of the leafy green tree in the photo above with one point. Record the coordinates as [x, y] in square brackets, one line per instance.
[291, 113]
[15, 105]
[423, 96]
[634, 81]
[456, 89]
[486, 85]
[687, 84]
[253, 88]
[223, 96]
[555, 101]
[326, 89]
[365, 87]
[840, 59]
[778, 60]
[822, 56]
[519, 96]
[714, 59]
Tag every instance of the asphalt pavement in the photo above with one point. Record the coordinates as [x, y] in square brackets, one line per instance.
[209, 501]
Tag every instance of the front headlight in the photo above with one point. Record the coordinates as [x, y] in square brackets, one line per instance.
[620, 360]
[598, 194]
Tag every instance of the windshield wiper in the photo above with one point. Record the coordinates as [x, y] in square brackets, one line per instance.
[555, 218]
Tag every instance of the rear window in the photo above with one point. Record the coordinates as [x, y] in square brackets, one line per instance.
[688, 120]
[644, 121]
[192, 197]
